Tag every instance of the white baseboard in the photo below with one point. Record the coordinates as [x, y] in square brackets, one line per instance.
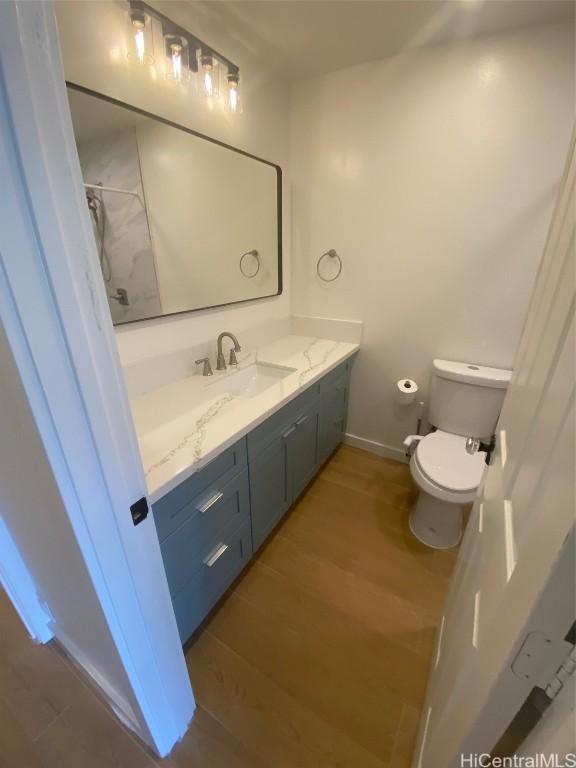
[20, 588]
[115, 700]
[380, 449]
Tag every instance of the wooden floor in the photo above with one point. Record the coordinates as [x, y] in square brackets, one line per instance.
[317, 657]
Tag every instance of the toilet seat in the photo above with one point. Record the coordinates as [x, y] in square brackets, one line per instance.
[442, 467]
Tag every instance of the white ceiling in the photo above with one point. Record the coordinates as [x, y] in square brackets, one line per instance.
[304, 38]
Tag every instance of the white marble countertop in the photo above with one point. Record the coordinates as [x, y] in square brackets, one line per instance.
[184, 425]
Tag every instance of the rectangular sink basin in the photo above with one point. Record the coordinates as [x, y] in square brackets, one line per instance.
[251, 380]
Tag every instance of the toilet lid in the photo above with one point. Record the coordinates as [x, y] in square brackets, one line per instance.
[444, 459]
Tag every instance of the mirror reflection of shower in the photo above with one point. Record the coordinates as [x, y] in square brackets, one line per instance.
[97, 207]
[121, 296]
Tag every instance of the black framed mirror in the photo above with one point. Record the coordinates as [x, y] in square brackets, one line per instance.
[182, 222]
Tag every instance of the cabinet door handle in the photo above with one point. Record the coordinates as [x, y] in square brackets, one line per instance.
[205, 506]
[341, 388]
[286, 435]
[216, 555]
[301, 420]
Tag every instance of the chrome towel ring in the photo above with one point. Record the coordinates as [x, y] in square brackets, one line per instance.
[331, 255]
[256, 255]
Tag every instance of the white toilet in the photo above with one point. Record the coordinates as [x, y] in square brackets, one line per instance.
[465, 401]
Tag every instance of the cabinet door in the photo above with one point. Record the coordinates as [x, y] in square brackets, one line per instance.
[269, 492]
[333, 417]
[303, 459]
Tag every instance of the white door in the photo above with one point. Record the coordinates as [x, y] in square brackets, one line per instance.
[514, 583]
[54, 312]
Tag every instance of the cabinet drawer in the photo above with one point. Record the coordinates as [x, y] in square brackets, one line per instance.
[229, 555]
[174, 508]
[215, 510]
[274, 426]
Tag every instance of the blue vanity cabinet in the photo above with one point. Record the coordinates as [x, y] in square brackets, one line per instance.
[211, 523]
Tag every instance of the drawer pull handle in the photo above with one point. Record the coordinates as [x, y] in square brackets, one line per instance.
[205, 506]
[286, 435]
[216, 555]
[301, 420]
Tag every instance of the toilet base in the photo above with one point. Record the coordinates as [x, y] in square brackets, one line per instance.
[436, 523]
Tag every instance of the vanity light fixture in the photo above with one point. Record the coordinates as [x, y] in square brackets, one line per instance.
[185, 54]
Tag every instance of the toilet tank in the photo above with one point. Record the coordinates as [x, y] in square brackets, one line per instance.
[466, 398]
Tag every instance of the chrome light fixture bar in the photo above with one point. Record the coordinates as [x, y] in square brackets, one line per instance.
[185, 52]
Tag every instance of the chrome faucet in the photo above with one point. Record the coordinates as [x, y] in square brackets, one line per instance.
[206, 367]
[220, 362]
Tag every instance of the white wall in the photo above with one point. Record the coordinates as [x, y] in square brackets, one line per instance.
[32, 510]
[433, 174]
[92, 37]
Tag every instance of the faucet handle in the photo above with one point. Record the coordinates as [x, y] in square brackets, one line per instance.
[207, 368]
[232, 359]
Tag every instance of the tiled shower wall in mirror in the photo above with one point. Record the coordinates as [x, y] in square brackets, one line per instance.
[121, 225]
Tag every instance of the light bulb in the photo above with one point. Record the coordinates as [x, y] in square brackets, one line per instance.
[233, 98]
[233, 95]
[176, 61]
[177, 65]
[140, 45]
[209, 75]
[208, 82]
[139, 40]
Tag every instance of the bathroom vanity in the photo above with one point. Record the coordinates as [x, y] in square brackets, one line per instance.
[226, 456]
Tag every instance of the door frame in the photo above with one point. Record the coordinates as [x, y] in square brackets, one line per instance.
[54, 310]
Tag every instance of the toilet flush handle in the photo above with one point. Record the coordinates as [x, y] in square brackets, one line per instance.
[474, 444]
